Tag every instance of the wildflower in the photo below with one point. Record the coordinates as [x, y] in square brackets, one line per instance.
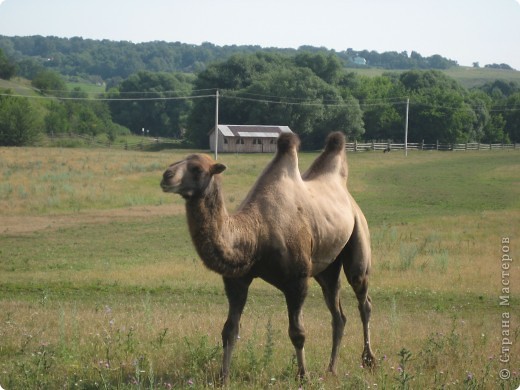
[470, 376]
[190, 382]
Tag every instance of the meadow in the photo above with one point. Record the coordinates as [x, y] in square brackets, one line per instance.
[100, 286]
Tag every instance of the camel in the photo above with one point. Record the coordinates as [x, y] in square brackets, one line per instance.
[289, 228]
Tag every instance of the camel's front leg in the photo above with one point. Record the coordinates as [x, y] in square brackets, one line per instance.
[236, 291]
[295, 294]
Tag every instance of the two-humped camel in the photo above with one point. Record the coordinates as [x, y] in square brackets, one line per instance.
[290, 227]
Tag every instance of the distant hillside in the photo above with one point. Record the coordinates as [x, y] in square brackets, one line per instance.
[99, 63]
[467, 76]
[18, 86]
[109, 59]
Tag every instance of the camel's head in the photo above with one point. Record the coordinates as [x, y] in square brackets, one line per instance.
[191, 176]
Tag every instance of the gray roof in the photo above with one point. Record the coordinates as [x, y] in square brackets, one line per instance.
[253, 131]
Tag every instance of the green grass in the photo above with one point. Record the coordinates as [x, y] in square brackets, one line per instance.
[474, 77]
[91, 89]
[18, 86]
[100, 286]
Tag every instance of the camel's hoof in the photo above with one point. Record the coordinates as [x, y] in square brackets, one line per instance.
[369, 360]
[223, 379]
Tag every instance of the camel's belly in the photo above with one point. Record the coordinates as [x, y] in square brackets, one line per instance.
[331, 229]
[328, 243]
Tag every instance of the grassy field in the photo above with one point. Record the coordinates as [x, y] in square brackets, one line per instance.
[18, 86]
[100, 286]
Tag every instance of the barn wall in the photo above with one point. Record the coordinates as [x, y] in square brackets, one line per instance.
[249, 145]
[221, 146]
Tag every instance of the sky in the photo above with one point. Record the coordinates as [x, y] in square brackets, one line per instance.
[467, 31]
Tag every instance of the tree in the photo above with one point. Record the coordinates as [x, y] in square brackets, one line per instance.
[56, 120]
[499, 66]
[18, 122]
[304, 102]
[480, 104]
[269, 89]
[500, 89]
[49, 82]
[438, 111]
[327, 67]
[512, 117]
[382, 100]
[235, 74]
[165, 116]
[7, 69]
[494, 129]
[504, 107]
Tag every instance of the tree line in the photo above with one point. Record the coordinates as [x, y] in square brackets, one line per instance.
[312, 92]
[112, 61]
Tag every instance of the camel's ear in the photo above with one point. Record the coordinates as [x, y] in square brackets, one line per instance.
[217, 168]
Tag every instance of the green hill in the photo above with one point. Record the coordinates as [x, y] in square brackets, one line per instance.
[18, 86]
[467, 76]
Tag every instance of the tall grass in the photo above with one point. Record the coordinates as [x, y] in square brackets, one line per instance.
[96, 295]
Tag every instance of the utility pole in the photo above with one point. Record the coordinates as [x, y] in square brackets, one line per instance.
[406, 127]
[216, 125]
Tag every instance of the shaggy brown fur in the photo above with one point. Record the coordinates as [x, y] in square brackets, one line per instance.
[290, 227]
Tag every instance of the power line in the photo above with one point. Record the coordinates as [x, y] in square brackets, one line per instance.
[270, 99]
[109, 99]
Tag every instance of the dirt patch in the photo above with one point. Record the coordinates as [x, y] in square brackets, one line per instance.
[27, 224]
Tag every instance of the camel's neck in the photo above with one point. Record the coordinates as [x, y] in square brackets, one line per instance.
[221, 243]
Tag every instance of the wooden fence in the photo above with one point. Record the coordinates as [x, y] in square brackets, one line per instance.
[390, 146]
[150, 143]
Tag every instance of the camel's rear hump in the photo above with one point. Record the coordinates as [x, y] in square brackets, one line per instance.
[332, 160]
[335, 143]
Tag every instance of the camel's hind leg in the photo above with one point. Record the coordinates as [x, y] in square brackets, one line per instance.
[330, 285]
[236, 291]
[356, 258]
